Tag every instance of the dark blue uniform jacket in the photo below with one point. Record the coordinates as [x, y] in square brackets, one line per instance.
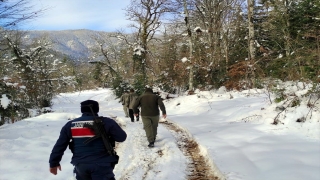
[93, 152]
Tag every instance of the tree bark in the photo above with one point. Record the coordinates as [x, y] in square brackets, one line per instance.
[251, 37]
[186, 18]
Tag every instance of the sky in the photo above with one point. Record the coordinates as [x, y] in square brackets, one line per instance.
[100, 15]
[233, 130]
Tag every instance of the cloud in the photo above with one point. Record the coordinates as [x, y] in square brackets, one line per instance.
[104, 15]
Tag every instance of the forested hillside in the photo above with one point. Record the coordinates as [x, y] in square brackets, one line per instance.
[177, 46]
[74, 44]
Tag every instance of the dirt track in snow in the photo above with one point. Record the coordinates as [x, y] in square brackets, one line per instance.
[198, 167]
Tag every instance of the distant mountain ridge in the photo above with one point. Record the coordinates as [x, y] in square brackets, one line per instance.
[75, 44]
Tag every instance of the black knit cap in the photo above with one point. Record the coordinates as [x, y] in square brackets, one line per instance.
[85, 106]
[148, 90]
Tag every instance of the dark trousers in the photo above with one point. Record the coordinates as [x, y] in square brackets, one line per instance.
[132, 116]
[94, 171]
[150, 125]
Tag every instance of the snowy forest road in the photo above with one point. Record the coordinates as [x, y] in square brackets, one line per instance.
[208, 126]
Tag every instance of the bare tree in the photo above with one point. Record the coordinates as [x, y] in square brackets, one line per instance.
[15, 12]
[110, 52]
[187, 21]
[146, 15]
[107, 56]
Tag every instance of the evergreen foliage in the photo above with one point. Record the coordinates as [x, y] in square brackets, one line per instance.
[119, 86]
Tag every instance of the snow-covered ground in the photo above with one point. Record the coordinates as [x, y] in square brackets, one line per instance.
[233, 129]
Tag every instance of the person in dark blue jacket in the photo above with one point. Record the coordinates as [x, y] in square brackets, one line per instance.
[91, 160]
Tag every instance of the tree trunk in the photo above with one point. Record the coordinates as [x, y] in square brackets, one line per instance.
[252, 49]
[318, 50]
[2, 120]
[287, 34]
[226, 49]
[186, 18]
[251, 30]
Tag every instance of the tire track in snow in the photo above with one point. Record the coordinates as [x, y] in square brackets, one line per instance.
[199, 167]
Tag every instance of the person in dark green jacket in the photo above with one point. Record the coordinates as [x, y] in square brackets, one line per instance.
[132, 98]
[150, 113]
[124, 99]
